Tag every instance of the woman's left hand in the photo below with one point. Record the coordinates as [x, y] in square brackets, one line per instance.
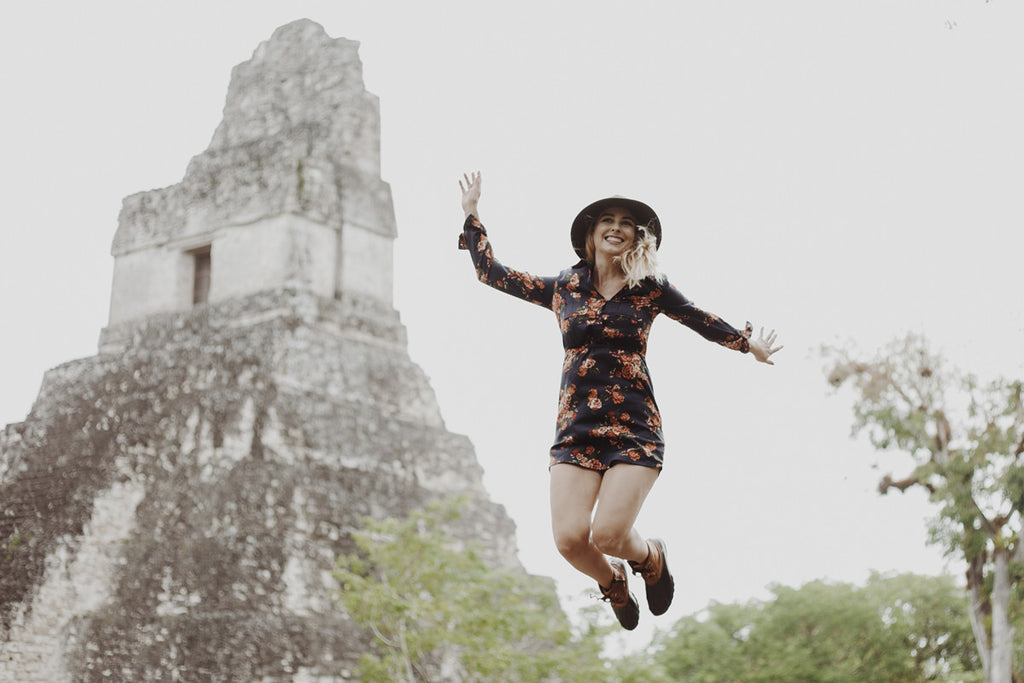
[761, 348]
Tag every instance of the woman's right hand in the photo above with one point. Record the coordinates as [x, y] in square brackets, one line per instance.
[470, 186]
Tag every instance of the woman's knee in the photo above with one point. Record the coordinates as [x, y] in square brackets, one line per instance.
[572, 541]
[610, 538]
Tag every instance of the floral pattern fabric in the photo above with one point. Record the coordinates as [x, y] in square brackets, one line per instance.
[606, 408]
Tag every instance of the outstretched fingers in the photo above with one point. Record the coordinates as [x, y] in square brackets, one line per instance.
[764, 347]
[469, 180]
[470, 186]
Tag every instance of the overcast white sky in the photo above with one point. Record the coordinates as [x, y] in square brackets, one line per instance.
[842, 171]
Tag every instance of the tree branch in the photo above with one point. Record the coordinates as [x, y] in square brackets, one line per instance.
[979, 610]
[1018, 549]
[903, 484]
[943, 435]
[380, 636]
[990, 526]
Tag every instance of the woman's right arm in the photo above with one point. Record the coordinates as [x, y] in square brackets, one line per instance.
[490, 271]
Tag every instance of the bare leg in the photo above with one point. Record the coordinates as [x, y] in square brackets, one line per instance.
[574, 492]
[624, 489]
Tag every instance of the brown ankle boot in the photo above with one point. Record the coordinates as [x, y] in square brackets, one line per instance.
[623, 602]
[659, 583]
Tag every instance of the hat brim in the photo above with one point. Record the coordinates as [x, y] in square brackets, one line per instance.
[643, 214]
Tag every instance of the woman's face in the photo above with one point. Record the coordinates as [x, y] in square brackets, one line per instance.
[613, 233]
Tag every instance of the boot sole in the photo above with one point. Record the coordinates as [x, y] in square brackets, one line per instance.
[659, 595]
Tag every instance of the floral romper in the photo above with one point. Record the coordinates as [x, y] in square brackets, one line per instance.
[606, 408]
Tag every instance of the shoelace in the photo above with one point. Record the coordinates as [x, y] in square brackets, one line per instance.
[615, 595]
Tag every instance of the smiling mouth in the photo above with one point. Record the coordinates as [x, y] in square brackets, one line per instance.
[614, 239]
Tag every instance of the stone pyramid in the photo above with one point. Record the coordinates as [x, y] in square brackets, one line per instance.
[171, 508]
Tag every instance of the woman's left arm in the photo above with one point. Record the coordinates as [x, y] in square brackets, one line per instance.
[672, 303]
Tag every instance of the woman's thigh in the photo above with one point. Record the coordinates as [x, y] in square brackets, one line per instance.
[574, 492]
[623, 490]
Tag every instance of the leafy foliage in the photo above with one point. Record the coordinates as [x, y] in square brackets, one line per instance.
[434, 605]
[901, 629]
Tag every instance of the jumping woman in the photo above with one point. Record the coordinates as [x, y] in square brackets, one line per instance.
[608, 441]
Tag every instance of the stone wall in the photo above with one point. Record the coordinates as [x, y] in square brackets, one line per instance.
[173, 511]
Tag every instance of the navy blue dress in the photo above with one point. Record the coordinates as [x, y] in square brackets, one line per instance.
[606, 408]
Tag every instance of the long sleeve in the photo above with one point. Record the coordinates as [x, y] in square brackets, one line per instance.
[672, 303]
[490, 271]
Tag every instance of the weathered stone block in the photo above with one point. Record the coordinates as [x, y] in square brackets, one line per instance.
[299, 145]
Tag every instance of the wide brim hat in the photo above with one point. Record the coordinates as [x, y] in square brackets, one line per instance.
[643, 214]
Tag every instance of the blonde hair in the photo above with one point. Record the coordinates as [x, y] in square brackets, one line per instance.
[638, 263]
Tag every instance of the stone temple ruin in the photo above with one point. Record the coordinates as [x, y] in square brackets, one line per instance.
[171, 508]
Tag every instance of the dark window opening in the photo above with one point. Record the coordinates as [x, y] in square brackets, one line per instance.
[201, 277]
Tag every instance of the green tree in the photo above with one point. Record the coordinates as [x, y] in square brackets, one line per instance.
[828, 633]
[965, 440]
[434, 605]
[711, 648]
[929, 616]
[834, 633]
[597, 624]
